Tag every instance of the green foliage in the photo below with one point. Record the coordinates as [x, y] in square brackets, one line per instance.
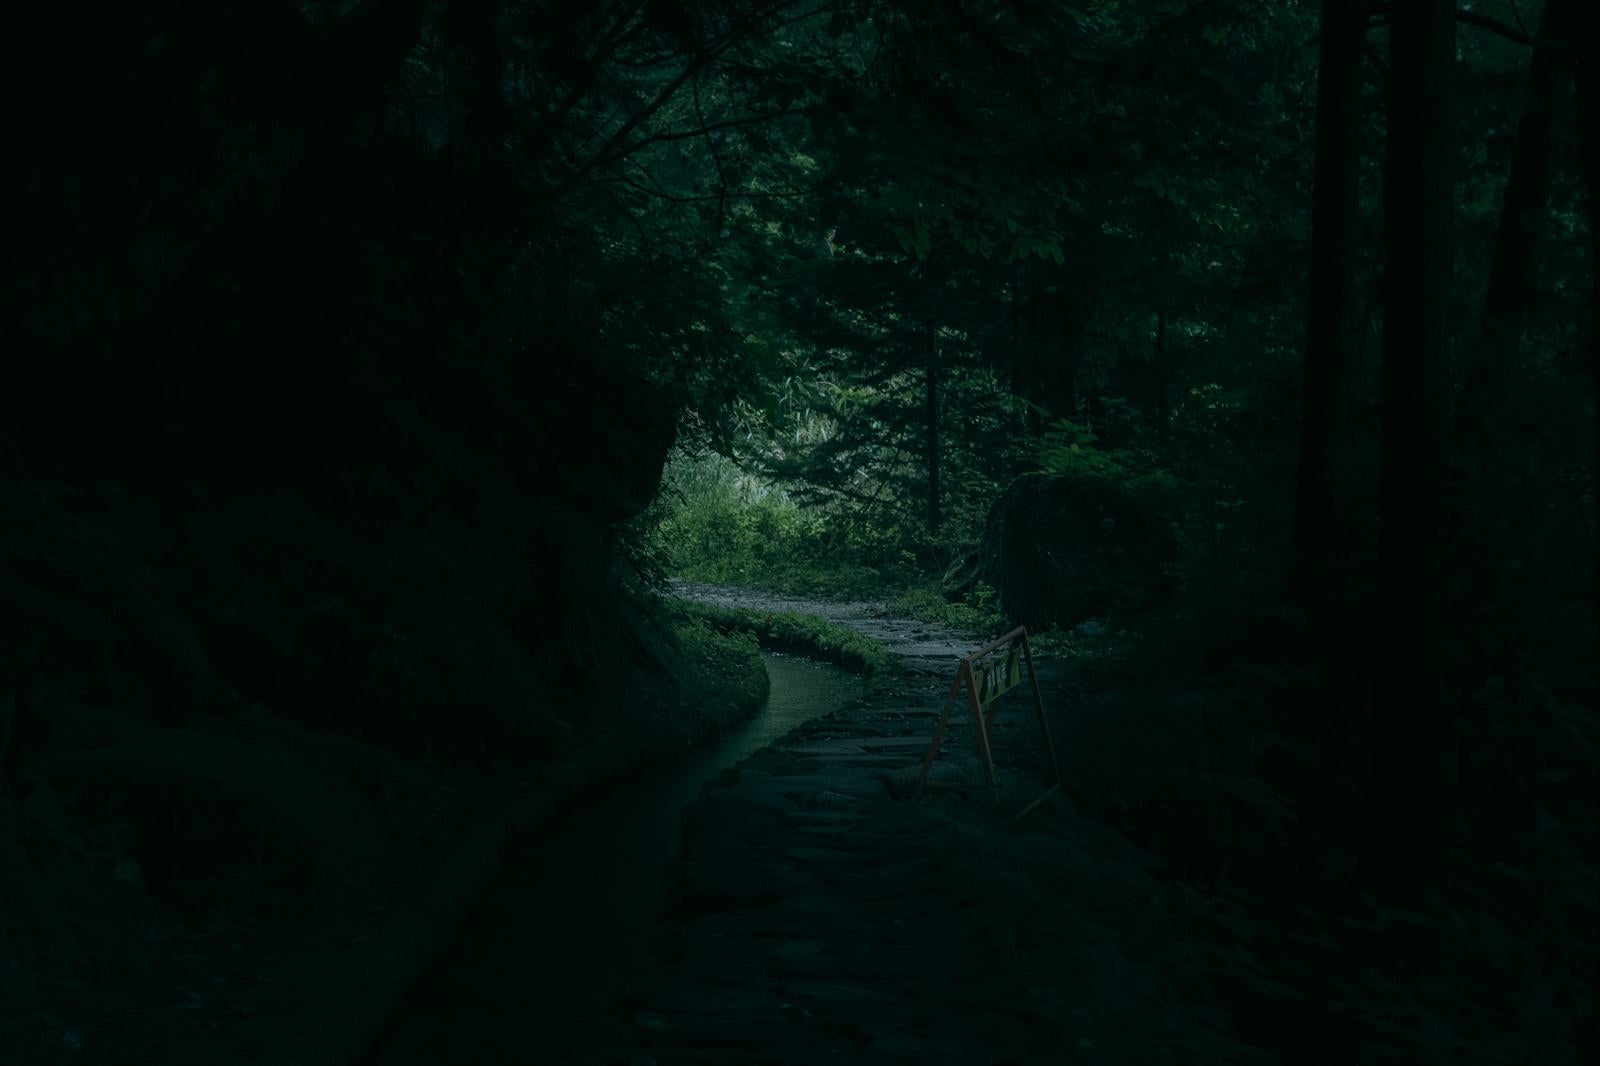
[806, 634]
[979, 613]
[717, 669]
[724, 527]
[1068, 447]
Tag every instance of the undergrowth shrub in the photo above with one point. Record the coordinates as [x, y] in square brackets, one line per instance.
[717, 524]
[978, 612]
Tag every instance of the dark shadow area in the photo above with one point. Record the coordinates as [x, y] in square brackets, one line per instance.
[554, 955]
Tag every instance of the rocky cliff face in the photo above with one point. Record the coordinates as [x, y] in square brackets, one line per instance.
[310, 485]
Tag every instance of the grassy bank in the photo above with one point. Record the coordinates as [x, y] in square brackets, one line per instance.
[803, 634]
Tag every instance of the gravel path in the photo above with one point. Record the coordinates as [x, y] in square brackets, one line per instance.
[923, 648]
[816, 918]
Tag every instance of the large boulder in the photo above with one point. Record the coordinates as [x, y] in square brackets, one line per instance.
[1061, 549]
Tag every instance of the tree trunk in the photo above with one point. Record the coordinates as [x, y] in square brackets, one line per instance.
[1587, 31]
[1527, 195]
[1414, 754]
[1019, 389]
[933, 432]
[1320, 532]
[1162, 384]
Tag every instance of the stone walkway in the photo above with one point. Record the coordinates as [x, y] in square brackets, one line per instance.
[815, 918]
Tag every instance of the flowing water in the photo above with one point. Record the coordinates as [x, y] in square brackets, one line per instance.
[542, 970]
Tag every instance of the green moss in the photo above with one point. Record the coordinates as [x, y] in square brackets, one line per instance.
[803, 633]
[717, 670]
[980, 614]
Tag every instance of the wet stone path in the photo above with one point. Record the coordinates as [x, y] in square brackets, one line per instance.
[813, 917]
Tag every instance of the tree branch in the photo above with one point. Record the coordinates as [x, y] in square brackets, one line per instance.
[616, 147]
[609, 43]
[716, 157]
[710, 127]
[674, 198]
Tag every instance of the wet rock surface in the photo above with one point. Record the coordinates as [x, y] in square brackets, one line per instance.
[810, 918]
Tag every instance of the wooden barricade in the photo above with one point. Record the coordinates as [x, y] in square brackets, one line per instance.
[983, 677]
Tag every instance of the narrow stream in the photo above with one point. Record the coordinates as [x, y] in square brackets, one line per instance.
[562, 937]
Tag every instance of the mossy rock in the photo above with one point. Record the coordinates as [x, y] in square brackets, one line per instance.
[1062, 549]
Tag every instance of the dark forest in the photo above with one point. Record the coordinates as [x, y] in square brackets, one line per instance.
[933, 532]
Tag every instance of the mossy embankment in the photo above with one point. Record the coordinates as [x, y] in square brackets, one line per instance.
[263, 729]
[251, 887]
[802, 634]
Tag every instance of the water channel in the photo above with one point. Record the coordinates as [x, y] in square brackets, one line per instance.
[543, 969]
